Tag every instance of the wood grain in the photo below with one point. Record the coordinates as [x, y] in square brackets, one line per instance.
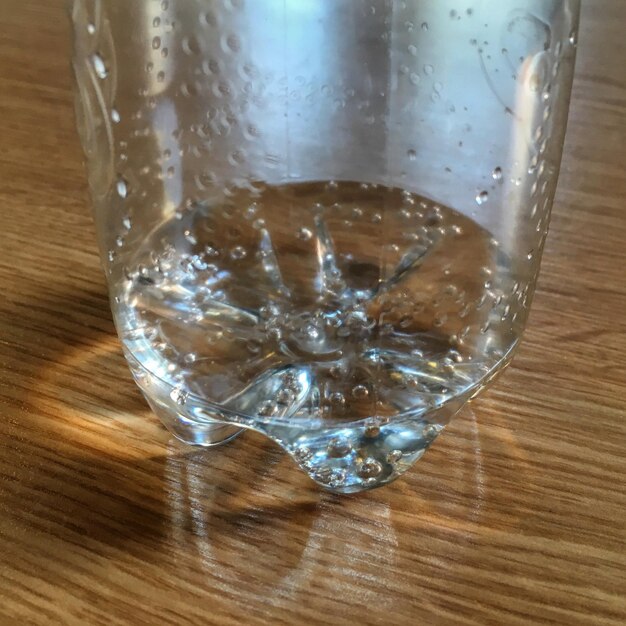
[516, 515]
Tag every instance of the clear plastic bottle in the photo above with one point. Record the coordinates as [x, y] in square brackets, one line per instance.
[322, 220]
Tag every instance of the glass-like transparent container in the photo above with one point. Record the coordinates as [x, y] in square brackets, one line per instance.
[321, 219]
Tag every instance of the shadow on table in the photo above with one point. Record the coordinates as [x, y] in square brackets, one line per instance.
[93, 470]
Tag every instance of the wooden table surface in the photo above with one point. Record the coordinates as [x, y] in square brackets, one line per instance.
[517, 515]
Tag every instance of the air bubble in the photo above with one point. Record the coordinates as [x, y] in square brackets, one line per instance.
[115, 116]
[360, 392]
[430, 431]
[189, 236]
[267, 409]
[413, 50]
[338, 399]
[336, 372]
[428, 69]
[304, 234]
[338, 448]
[311, 332]
[91, 29]
[285, 396]
[372, 429]
[238, 253]
[303, 454]
[179, 396]
[394, 456]
[156, 43]
[412, 155]
[369, 468]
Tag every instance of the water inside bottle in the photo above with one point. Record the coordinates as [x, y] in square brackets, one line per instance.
[337, 317]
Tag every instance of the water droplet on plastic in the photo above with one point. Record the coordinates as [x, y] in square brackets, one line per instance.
[99, 66]
[232, 43]
[482, 197]
[122, 188]
[428, 69]
[535, 83]
[91, 29]
[156, 43]
[191, 46]
[424, 25]
[497, 173]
